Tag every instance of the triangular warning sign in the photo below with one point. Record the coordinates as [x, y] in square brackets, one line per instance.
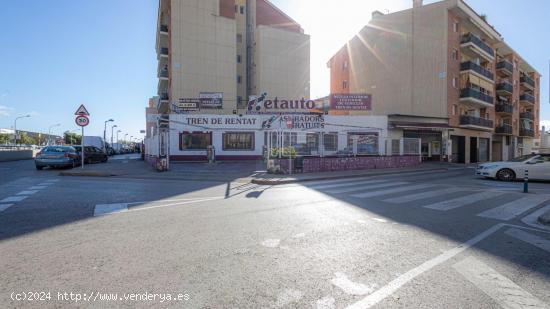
[82, 111]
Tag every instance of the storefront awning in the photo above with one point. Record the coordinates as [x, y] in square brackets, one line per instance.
[418, 126]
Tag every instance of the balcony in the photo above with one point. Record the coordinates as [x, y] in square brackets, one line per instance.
[527, 82]
[475, 45]
[472, 122]
[164, 96]
[471, 95]
[164, 74]
[163, 29]
[504, 108]
[527, 115]
[523, 132]
[505, 67]
[478, 70]
[527, 99]
[505, 129]
[505, 88]
[164, 51]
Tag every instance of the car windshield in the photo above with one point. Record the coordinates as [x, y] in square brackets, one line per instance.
[522, 158]
[58, 149]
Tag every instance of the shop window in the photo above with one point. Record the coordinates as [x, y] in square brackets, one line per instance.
[238, 141]
[195, 141]
[312, 143]
[330, 141]
[366, 143]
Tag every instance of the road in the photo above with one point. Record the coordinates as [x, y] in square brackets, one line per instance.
[416, 240]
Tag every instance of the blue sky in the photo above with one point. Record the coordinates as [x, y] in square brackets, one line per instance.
[58, 54]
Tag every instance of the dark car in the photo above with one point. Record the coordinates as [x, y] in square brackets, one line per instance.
[92, 154]
[57, 156]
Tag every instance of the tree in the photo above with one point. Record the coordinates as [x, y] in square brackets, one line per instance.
[26, 140]
[5, 138]
[71, 138]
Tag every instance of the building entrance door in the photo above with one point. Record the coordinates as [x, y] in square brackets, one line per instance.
[497, 151]
[473, 150]
[459, 149]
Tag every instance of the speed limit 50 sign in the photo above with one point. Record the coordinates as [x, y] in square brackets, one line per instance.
[82, 120]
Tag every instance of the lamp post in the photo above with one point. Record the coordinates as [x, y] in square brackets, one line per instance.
[105, 135]
[112, 129]
[125, 138]
[118, 141]
[15, 128]
[50, 132]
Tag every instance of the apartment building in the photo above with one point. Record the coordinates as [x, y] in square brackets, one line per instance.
[441, 73]
[214, 54]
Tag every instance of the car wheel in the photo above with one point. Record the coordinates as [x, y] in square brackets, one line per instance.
[39, 167]
[506, 175]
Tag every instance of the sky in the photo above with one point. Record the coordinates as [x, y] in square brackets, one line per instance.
[56, 55]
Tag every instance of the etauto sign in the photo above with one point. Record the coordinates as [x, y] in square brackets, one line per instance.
[261, 104]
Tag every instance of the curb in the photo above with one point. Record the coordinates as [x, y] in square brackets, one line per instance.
[288, 181]
[89, 174]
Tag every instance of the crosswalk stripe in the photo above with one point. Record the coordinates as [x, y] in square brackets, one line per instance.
[395, 190]
[316, 184]
[465, 200]
[104, 209]
[348, 184]
[5, 206]
[501, 289]
[352, 188]
[513, 209]
[529, 238]
[422, 195]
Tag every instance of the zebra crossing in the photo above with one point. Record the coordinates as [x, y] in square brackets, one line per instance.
[506, 205]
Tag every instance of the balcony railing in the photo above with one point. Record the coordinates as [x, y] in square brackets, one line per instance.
[164, 51]
[504, 107]
[164, 97]
[503, 129]
[527, 98]
[164, 73]
[476, 121]
[526, 132]
[505, 86]
[527, 80]
[469, 65]
[473, 93]
[527, 115]
[470, 38]
[506, 66]
[163, 28]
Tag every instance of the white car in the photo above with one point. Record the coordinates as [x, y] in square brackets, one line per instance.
[537, 165]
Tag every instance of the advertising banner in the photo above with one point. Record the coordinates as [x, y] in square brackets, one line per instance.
[351, 102]
[185, 105]
[211, 99]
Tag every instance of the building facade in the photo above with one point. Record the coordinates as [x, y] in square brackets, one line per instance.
[441, 73]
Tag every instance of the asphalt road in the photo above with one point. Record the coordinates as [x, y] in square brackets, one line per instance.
[420, 240]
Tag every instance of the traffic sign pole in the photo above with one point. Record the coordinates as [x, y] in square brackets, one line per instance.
[82, 147]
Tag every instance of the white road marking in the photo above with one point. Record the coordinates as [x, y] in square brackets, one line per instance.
[501, 289]
[299, 235]
[45, 184]
[356, 183]
[352, 188]
[380, 220]
[37, 187]
[271, 243]
[325, 303]
[311, 184]
[350, 287]
[105, 209]
[403, 279]
[52, 180]
[422, 195]
[27, 192]
[18, 198]
[513, 209]
[361, 221]
[530, 238]
[465, 200]
[532, 218]
[288, 296]
[395, 190]
[5, 206]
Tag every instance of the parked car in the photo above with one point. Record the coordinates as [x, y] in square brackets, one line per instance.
[92, 154]
[537, 165]
[57, 156]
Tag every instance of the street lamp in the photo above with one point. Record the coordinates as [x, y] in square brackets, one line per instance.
[118, 141]
[105, 135]
[15, 128]
[125, 138]
[112, 128]
[50, 132]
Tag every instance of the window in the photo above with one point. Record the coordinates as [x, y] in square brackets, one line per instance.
[330, 141]
[239, 38]
[455, 26]
[238, 141]
[455, 82]
[345, 65]
[345, 84]
[239, 79]
[366, 143]
[236, 8]
[455, 107]
[454, 54]
[239, 100]
[195, 141]
[242, 9]
[238, 58]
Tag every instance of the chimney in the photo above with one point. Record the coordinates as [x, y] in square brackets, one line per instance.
[417, 3]
[377, 14]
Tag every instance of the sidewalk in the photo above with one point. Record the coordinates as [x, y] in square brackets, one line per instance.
[244, 172]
